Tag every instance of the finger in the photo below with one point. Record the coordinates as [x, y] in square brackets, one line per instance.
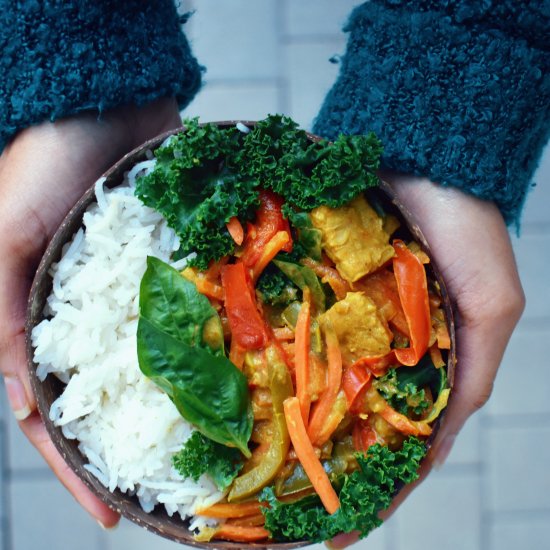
[35, 430]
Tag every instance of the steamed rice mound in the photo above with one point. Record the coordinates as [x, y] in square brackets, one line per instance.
[127, 428]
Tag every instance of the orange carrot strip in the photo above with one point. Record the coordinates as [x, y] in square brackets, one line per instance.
[240, 533]
[301, 360]
[334, 380]
[403, 424]
[208, 288]
[270, 250]
[235, 230]
[329, 275]
[231, 510]
[249, 521]
[442, 335]
[283, 333]
[236, 354]
[435, 355]
[306, 454]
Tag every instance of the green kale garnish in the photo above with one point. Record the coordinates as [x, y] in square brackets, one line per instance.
[276, 288]
[404, 388]
[201, 455]
[206, 175]
[363, 495]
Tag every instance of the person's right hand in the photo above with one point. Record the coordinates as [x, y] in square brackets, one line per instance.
[471, 246]
[43, 172]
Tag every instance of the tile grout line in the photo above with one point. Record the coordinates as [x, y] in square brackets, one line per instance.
[484, 527]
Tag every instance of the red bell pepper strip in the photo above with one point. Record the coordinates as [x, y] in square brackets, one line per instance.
[413, 293]
[269, 221]
[355, 382]
[403, 424]
[363, 436]
[248, 328]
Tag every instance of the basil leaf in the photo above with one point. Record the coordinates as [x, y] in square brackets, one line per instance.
[207, 389]
[303, 277]
[174, 304]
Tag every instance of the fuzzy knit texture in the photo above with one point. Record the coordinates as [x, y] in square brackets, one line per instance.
[458, 91]
[59, 58]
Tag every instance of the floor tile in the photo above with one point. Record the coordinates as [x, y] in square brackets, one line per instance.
[303, 18]
[443, 513]
[226, 102]
[532, 254]
[310, 77]
[523, 379]
[44, 515]
[517, 469]
[512, 533]
[236, 39]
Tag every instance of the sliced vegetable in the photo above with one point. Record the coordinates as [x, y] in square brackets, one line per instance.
[240, 533]
[236, 230]
[323, 407]
[413, 293]
[277, 243]
[301, 360]
[230, 510]
[306, 455]
[304, 278]
[355, 382]
[280, 385]
[247, 326]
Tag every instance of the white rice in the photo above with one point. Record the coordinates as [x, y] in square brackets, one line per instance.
[127, 428]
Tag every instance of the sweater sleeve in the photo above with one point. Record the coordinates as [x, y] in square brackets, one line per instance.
[60, 58]
[457, 91]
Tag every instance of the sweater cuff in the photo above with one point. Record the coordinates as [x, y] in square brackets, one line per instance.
[61, 58]
[459, 101]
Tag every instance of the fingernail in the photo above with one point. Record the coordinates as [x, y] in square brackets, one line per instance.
[17, 398]
[111, 528]
[443, 450]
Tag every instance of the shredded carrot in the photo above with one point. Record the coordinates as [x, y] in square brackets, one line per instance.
[283, 333]
[301, 360]
[235, 230]
[335, 416]
[203, 284]
[240, 533]
[270, 250]
[236, 354]
[240, 510]
[404, 424]
[329, 275]
[249, 521]
[306, 454]
[435, 355]
[323, 407]
[442, 335]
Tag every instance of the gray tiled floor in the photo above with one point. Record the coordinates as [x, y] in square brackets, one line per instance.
[493, 493]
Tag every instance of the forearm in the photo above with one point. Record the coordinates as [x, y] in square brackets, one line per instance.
[456, 93]
[61, 58]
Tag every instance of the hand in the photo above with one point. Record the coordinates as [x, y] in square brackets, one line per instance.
[470, 243]
[43, 172]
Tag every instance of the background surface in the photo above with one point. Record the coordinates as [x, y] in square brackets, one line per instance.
[267, 56]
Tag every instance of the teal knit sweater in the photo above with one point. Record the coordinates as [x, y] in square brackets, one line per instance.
[458, 91]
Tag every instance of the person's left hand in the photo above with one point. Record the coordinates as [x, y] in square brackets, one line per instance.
[43, 172]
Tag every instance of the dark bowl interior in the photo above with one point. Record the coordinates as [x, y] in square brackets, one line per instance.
[47, 392]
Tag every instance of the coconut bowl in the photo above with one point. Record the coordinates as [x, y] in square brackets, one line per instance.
[47, 392]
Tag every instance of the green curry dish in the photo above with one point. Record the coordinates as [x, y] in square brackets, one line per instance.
[207, 175]
[405, 388]
[363, 494]
[200, 455]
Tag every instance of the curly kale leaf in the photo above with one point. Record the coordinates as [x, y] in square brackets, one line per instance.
[201, 455]
[309, 174]
[363, 495]
[194, 186]
[207, 175]
[404, 388]
[275, 288]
